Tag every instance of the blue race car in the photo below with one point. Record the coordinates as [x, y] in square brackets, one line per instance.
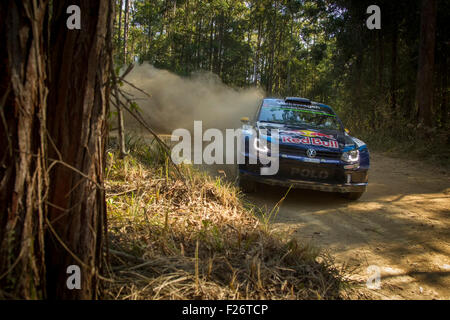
[315, 151]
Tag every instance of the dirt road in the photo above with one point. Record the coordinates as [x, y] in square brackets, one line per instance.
[401, 224]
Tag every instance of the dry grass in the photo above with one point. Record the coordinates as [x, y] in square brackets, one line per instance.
[195, 240]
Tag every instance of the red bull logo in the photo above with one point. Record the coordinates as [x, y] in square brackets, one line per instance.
[312, 141]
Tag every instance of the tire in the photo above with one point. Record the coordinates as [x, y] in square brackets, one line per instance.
[245, 184]
[352, 195]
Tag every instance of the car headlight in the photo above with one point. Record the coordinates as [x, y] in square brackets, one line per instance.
[350, 156]
[262, 147]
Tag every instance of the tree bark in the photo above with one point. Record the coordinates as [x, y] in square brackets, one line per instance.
[23, 107]
[53, 108]
[78, 103]
[424, 87]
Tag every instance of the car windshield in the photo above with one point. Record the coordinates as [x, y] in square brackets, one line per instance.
[299, 115]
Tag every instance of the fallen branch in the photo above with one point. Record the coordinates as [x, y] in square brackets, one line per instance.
[140, 90]
[153, 133]
[127, 71]
[126, 256]
[121, 193]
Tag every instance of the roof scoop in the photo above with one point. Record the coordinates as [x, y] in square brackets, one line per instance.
[296, 100]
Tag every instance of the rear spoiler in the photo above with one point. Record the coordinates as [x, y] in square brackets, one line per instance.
[295, 100]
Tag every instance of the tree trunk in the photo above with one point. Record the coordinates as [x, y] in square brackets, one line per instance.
[125, 30]
[445, 93]
[120, 124]
[120, 25]
[256, 67]
[77, 125]
[357, 88]
[424, 87]
[218, 66]
[394, 64]
[380, 62]
[53, 102]
[23, 181]
[211, 47]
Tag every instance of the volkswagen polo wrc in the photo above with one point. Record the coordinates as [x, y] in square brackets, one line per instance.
[315, 151]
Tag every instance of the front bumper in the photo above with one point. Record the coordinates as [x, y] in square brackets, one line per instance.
[300, 184]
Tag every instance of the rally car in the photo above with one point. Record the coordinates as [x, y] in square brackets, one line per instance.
[315, 150]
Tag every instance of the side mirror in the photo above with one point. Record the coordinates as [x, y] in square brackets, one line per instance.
[346, 130]
[245, 120]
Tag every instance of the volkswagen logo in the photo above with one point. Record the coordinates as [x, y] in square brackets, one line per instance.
[311, 153]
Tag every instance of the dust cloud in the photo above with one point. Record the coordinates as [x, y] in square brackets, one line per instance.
[177, 101]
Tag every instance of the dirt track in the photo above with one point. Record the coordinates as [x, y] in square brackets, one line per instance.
[401, 224]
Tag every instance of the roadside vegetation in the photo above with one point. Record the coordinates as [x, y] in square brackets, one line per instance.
[432, 149]
[400, 138]
[193, 238]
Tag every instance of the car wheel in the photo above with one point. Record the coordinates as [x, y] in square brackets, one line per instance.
[352, 195]
[246, 184]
